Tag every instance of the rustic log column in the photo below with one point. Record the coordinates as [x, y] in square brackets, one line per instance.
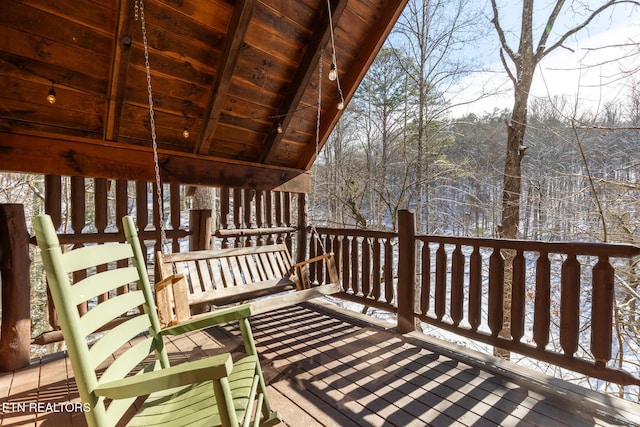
[201, 217]
[15, 333]
[406, 270]
[200, 225]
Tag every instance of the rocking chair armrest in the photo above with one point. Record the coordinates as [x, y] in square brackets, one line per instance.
[209, 319]
[211, 368]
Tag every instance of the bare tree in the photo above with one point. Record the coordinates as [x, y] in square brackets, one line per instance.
[435, 34]
[520, 64]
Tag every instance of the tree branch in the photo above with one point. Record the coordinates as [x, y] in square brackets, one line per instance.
[565, 36]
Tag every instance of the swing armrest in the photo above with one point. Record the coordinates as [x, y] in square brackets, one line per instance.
[302, 281]
[314, 259]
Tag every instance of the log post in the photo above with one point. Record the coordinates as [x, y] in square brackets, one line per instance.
[406, 270]
[15, 332]
[200, 218]
[200, 224]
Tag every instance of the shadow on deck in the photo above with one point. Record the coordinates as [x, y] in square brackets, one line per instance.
[327, 367]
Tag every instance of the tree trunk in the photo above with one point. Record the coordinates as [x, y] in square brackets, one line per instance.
[511, 194]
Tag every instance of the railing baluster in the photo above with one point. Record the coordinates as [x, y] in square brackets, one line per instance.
[355, 264]
[101, 218]
[78, 215]
[346, 268]
[425, 294]
[328, 248]
[174, 207]
[518, 296]
[570, 305]
[313, 251]
[377, 274]
[496, 292]
[268, 214]
[122, 208]
[542, 306]
[457, 285]
[337, 251]
[475, 288]
[441, 282]
[225, 209]
[389, 288]
[366, 267]
[602, 309]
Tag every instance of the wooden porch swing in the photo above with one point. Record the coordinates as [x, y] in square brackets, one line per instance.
[195, 282]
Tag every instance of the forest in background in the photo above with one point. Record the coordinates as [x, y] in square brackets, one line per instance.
[581, 177]
[400, 144]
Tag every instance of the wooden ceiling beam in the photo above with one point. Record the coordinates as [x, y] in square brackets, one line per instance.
[301, 81]
[99, 159]
[119, 66]
[351, 79]
[224, 72]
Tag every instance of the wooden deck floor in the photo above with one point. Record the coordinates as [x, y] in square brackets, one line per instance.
[325, 368]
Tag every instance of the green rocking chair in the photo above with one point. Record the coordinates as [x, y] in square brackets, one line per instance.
[135, 384]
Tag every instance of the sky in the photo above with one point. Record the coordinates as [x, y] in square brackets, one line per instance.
[577, 71]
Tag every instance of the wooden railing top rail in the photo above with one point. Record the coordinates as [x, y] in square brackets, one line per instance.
[614, 250]
[114, 237]
[356, 232]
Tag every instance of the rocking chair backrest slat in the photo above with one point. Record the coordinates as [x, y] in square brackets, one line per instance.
[125, 364]
[90, 256]
[102, 283]
[110, 309]
[116, 338]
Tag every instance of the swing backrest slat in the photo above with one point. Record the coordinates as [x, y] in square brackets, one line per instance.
[247, 274]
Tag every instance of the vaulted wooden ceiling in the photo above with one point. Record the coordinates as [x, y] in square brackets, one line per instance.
[231, 72]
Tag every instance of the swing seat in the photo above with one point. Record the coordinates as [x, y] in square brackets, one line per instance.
[265, 276]
[121, 383]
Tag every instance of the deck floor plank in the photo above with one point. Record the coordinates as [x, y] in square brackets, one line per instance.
[22, 393]
[326, 369]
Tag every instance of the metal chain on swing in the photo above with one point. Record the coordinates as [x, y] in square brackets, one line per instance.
[139, 14]
[313, 226]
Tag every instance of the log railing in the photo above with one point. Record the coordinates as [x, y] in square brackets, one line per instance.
[562, 294]
[366, 261]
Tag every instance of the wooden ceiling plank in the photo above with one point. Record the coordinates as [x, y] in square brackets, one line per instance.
[99, 16]
[98, 159]
[230, 52]
[25, 44]
[351, 79]
[119, 66]
[301, 80]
